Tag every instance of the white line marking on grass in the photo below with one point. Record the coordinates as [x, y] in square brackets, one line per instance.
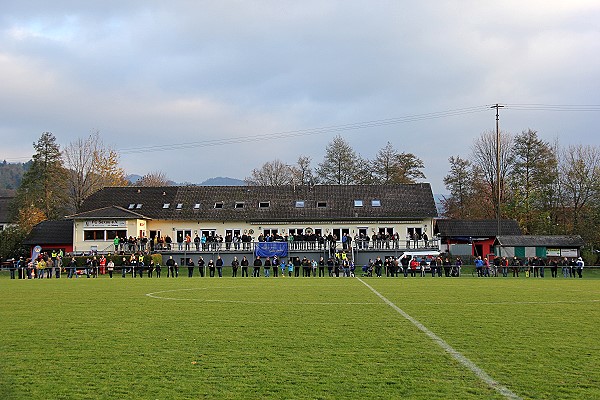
[500, 303]
[481, 374]
[156, 295]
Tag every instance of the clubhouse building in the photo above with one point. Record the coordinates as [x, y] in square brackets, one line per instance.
[396, 216]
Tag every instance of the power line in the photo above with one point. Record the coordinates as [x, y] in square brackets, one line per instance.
[310, 131]
[355, 126]
[554, 107]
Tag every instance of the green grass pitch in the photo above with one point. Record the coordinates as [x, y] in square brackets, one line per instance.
[297, 338]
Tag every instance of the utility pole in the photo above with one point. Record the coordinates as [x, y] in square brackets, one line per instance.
[497, 107]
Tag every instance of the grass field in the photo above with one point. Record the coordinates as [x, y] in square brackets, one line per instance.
[297, 338]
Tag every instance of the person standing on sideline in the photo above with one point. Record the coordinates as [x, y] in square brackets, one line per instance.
[190, 265]
[330, 267]
[201, 266]
[234, 267]
[244, 264]
[267, 267]
[157, 269]
[257, 265]
[275, 266]
[110, 268]
[566, 270]
[170, 267]
[211, 268]
[151, 268]
[72, 268]
[378, 266]
[580, 265]
[123, 267]
[321, 267]
[219, 265]
[554, 267]
[283, 266]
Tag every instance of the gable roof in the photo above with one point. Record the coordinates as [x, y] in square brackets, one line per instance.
[321, 202]
[51, 232]
[476, 228]
[540, 241]
[109, 213]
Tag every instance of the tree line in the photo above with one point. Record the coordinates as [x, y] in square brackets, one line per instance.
[547, 188]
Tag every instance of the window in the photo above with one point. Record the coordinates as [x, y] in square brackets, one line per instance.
[131, 206]
[110, 235]
[166, 205]
[138, 206]
[358, 203]
[219, 204]
[321, 204]
[179, 206]
[239, 204]
[375, 203]
[93, 235]
[196, 206]
[300, 204]
[264, 204]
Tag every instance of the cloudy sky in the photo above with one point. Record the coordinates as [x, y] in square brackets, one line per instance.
[199, 89]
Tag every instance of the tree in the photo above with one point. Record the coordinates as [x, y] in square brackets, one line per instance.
[153, 179]
[92, 166]
[460, 185]
[302, 171]
[484, 157]
[271, 173]
[580, 183]
[340, 164]
[532, 182]
[390, 166]
[469, 194]
[44, 184]
[11, 242]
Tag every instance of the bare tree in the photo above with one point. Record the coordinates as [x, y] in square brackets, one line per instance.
[91, 166]
[484, 157]
[303, 174]
[272, 173]
[580, 180]
[153, 179]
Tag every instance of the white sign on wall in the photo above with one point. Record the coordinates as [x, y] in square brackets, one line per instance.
[568, 252]
[105, 223]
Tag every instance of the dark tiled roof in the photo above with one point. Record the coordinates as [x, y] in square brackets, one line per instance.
[397, 202]
[51, 232]
[109, 213]
[541, 241]
[5, 209]
[476, 228]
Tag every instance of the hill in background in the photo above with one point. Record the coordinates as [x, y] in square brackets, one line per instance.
[11, 175]
[222, 181]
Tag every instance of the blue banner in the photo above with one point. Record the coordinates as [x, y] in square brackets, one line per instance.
[270, 249]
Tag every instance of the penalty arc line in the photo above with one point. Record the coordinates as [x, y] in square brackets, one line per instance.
[481, 374]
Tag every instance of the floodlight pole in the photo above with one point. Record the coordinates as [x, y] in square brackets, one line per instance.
[498, 197]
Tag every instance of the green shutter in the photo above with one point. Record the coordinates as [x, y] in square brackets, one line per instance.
[540, 252]
[520, 251]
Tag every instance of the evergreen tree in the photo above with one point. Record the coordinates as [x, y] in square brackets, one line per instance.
[340, 165]
[531, 183]
[44, 184]
[391, 166]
